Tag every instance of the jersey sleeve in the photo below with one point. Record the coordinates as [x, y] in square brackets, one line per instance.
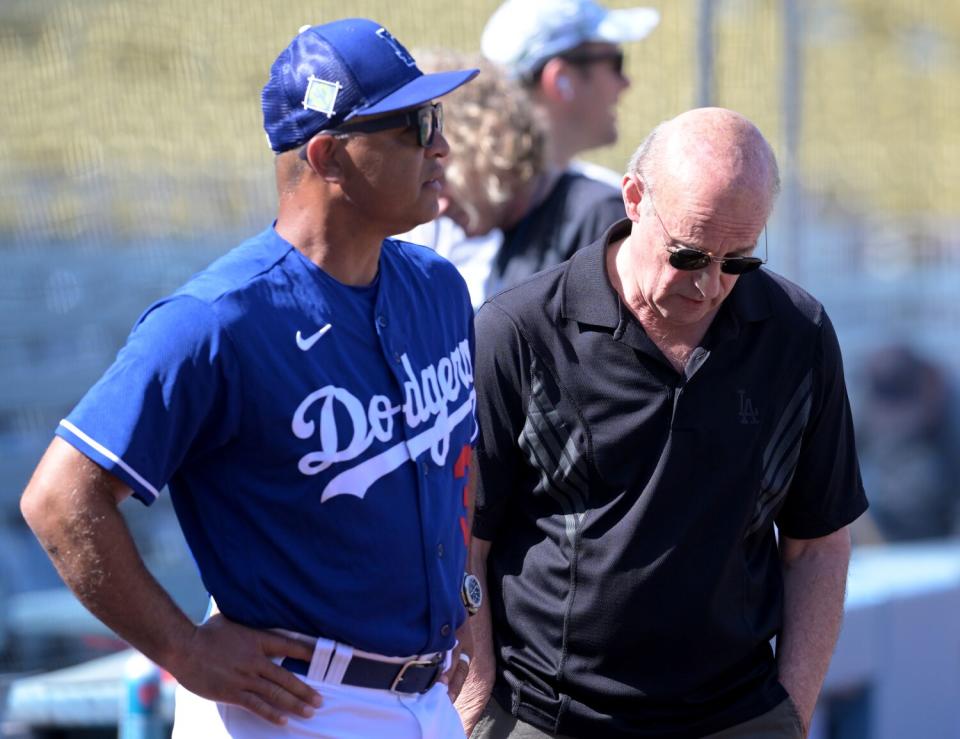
[462, 298]
[500, 391]
[472, 343]
[170, 395]
[826, 493]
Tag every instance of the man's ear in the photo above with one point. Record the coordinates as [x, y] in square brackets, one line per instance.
[633, 192]
[321, 154]
[555, 81]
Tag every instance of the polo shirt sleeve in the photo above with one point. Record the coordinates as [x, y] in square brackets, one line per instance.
[169, 397]
[500, 384]
[826, 493]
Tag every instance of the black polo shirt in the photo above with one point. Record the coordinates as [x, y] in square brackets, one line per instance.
[634, 573]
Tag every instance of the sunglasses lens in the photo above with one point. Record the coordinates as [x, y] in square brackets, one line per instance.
[430, 122]
[740, 265]
[687, 260]
[425, 124]
[613, 58]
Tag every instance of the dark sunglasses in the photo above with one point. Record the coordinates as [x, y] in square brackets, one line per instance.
[688, 258]
[582, 59]
[427, 120]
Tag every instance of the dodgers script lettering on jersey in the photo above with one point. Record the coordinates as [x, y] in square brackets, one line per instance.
[428, 396]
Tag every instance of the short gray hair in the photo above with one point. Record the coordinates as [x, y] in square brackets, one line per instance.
[641, 163]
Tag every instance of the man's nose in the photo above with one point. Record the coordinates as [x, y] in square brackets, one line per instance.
[439, 147]
[708, 281]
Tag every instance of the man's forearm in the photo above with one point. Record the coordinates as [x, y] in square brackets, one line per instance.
[71, 505]
[476, 690]
[814, 576]
[88, 542]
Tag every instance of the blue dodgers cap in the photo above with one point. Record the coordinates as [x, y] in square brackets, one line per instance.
[338, 71]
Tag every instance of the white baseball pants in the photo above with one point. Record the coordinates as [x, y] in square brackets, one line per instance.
[347, 713]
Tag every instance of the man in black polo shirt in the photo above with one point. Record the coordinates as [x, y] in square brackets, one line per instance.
[650, 410]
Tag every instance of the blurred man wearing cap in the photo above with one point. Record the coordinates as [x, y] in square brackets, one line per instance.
[666, 469]
[308, 399]
[568, 54]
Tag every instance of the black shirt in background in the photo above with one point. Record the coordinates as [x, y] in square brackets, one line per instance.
[575, 213]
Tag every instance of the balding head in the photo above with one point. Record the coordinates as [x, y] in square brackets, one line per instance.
[709, 153]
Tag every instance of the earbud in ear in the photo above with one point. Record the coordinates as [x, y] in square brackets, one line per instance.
[564, 87]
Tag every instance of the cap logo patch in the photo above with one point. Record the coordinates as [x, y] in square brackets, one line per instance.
[397, 48]
[321, 95]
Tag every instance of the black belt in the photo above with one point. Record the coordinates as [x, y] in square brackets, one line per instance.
[415, 676]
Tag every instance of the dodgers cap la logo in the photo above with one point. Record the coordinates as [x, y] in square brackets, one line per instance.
[338, 71]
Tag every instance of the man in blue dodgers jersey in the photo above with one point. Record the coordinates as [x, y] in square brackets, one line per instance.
[309, 399]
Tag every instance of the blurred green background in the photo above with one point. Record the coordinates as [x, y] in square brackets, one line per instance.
[132, 118]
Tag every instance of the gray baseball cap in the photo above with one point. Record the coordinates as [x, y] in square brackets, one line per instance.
[522, 35]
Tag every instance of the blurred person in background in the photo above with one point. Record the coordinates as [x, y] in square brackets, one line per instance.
[568, 56]
[909, 446]
[666, 469]
[308, 399]
[495, 172]
[507, 212]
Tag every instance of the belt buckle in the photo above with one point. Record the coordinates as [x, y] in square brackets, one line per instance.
[434, 662]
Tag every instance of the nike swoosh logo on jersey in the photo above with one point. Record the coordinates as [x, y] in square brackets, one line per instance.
[306, 343]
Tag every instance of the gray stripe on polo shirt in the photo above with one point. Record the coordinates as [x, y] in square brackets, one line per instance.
[782, 453]
[551, 449]
[562, 449]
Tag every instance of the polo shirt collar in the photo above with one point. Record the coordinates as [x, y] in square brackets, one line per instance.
[588, 296]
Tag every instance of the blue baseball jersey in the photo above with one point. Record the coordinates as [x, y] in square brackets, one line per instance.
[314, 437]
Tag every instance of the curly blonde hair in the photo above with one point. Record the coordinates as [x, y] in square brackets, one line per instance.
[496, 138]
